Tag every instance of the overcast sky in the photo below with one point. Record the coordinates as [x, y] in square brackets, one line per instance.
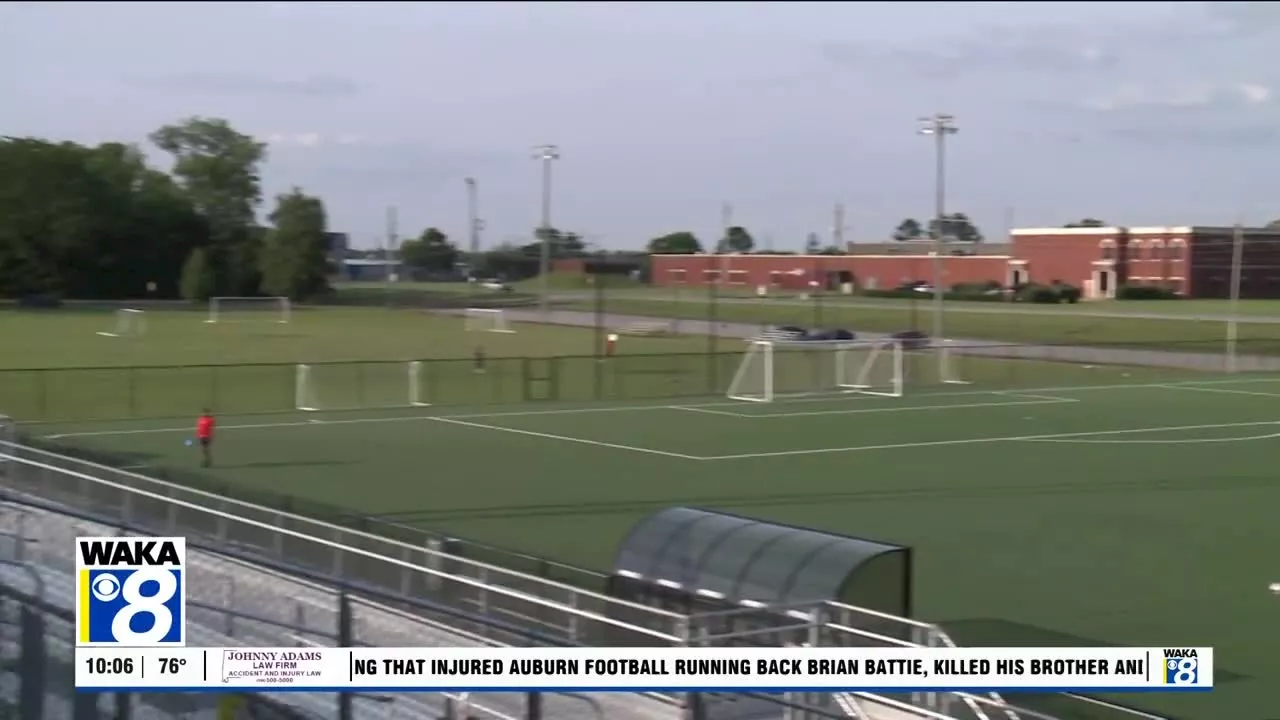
[1139, 113]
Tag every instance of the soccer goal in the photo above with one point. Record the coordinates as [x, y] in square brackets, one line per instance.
[249, 309]
[359, 386]
[487, 320]
[949, 366]
[128, 323]
[773, 369]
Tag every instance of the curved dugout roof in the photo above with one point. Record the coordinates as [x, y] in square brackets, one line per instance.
[743, 558]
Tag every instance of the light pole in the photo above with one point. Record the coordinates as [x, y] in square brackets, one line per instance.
[474, 223]
[547, 154]
[939, 126]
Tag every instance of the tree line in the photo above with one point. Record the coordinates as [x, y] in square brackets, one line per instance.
[81, 221]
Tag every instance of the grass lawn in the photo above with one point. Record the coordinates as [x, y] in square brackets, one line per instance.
[962, 320]
[63, 369]
[1047, 502]
[1171, 308]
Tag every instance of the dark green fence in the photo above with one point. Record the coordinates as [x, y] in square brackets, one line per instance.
[102, 393]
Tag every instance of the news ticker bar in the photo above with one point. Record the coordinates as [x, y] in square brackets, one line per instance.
[644, 669]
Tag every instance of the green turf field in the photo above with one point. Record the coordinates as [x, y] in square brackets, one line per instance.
[1047, 502]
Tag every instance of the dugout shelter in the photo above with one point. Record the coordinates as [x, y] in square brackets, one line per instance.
[701, 562]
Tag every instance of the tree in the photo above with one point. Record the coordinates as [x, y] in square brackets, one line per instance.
[812, 245]
[908, 229]
[89, 221]
[293, 258]
[218, 169]
[1086, 223]
[676, 243]
[197, 280]
[563, 244]
[957, 227]
[736, 239]
[431, 251]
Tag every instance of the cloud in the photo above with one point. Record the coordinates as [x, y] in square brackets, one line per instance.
[1250, 136]
[1186, 96]
[314, 140]
[990, 51]
[314, 86]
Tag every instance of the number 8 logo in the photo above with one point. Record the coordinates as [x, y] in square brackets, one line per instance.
[1184, 670]
[136, 604]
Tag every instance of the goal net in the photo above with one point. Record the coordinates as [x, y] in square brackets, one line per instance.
[359, 386]
[772, 369]
[249, 309]
[128, 323]
[487, 320]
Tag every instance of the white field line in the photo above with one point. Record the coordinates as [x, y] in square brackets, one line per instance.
[1032, 400]
[636, 408]
[979, 441]
[708, 411]
[566, 438]
[1227, 391]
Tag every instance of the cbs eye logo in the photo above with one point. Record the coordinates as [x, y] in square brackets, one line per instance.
[106, 588]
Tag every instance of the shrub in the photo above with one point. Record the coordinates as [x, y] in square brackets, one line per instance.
[1069, 293]
[1145, 292]
[927, 296]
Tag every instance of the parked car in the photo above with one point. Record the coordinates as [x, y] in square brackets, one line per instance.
[833, 334]
[789, 332]
[919, 286]
[912, 339]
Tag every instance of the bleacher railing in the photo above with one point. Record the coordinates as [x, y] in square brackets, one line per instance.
[475, 600]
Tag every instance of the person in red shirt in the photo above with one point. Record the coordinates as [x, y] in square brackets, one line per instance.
[204, 435]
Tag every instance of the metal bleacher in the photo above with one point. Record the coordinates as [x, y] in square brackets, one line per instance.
[261, 577]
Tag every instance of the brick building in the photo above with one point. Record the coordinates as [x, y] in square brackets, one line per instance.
[1194, 261]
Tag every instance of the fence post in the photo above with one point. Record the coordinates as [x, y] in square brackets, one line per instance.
[33, 665]
[346, 639]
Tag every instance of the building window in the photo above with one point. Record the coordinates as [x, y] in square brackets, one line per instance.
[711, 276]
[678, 277]
[1157, 250]
[1176, 249]
[1135, 250]
[1175, 285]
[737, 277]
[1108, 248]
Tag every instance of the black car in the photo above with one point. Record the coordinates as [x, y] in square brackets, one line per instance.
[912, 339]
[833, 334]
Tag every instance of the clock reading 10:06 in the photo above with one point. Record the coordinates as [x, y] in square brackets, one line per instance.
[109, 666]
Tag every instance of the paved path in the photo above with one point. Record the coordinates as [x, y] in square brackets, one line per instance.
[1209, 362]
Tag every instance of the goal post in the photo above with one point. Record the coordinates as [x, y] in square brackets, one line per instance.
[359, 386]
[129, 322]
[245, 309]
[487, 320]
[949, 370]
[772, 369]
